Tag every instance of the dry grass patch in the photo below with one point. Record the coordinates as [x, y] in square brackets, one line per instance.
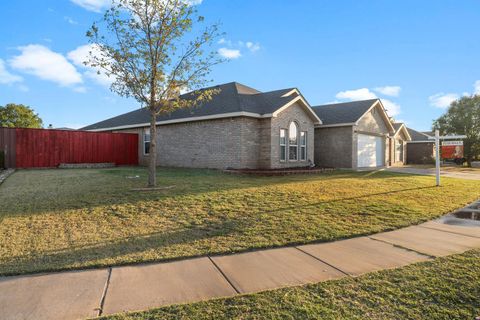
[68, 219]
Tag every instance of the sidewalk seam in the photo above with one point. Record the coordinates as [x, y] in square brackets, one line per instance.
[405, 248]
[224, 275]
[104, 293]
[328, 264]
[452, 232]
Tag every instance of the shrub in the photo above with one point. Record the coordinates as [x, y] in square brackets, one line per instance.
[428, 160]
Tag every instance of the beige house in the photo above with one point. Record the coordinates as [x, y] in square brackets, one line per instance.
[353, 135]
[239, 128]
[243, 128]
[398, 145]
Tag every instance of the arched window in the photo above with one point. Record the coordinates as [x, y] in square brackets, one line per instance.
[293, 142]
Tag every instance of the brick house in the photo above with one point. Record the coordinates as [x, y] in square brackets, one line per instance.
[240, 127]
[421, 148]
[353, 135]
[398, 152]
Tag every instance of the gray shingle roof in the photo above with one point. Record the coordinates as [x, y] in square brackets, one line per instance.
[397, 126]
[417, 136]
[348, 112]
[232, 97]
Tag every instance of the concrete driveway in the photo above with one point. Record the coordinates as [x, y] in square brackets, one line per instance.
[452, 172]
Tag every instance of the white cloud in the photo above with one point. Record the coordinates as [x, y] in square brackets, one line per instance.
[253, 47]
[93, 5]
[6, 77]
[194, 2]
[442, 100]
[225, 41]
[46, 64]
[23, 88]
[80, 89]
[477, 87]
[70, 20]
[229, 53]
[392, 91]
[402, 121]
[80, 55]
[358, 94]
[393, 109]
[100, 5]
[232, 50]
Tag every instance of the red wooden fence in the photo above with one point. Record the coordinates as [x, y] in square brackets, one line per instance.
[39, 148]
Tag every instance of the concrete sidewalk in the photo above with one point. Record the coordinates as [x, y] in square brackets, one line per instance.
[474, 175]
[85, 294]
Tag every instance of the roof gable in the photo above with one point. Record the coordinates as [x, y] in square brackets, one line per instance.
[343, 113]
[401, 128]
[350, 113]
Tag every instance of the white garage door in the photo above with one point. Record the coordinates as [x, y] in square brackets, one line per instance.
[370, 151]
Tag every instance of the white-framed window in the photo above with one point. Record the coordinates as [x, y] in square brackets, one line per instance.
[399, 150]
[283, 145]
[146, 141]
[303, 146]
[293, 142]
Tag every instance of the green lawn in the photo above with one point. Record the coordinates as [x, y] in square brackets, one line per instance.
[68, 219]
[442, 289]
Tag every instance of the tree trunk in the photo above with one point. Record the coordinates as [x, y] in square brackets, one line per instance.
[152, 158]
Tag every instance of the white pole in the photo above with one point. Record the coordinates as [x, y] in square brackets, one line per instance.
[437, 156]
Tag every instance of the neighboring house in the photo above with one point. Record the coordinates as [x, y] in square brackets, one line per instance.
[398, 152]
[421, 148]
[353, 135]
[240, 127]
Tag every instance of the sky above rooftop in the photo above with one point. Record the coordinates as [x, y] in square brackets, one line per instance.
[417, 56]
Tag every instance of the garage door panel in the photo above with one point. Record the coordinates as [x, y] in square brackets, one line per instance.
[370, 149]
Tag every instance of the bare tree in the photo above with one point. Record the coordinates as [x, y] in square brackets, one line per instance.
[151, 50]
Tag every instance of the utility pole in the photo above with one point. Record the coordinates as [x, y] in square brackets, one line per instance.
[437, 156]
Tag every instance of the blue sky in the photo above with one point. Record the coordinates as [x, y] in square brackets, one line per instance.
[415, 55]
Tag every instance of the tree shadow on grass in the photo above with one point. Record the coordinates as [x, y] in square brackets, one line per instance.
[364, 196]
[110, 252]
[59, 195]
[106, 253]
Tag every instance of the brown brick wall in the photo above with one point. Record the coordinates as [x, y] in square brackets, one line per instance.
[240, 142]
[420, 153]
[334, 147]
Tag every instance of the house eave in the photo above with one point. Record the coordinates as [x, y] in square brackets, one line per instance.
[422, 141]
[190, 119]
[335, 125]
